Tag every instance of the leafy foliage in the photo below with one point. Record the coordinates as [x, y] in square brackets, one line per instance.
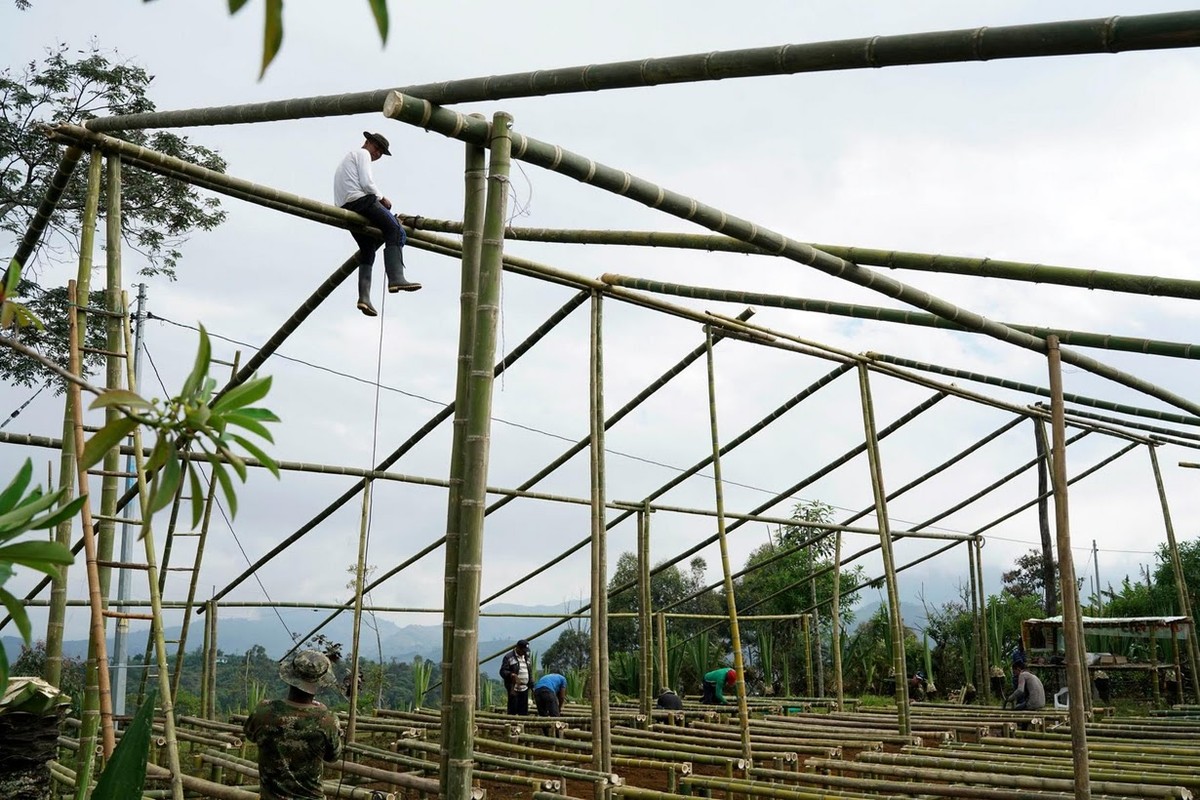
[1026, 577]
[20, 512]
[194, 418]
[71, 86]
[50, 337]
[125, 774]
[571, 651]
[273, 26]
[669, 586]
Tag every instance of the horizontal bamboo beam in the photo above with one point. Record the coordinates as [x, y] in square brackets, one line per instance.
[1075, 37]
[1101, 341]
[417, 112]
[1125, 282]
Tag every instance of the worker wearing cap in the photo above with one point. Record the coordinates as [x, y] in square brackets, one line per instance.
[295, 735]
[516, 674]
[715, 684]
[354, 189]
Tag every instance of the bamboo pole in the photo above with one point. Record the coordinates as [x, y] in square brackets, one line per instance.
[66, 470]
[646, 671]
[836, 620]
[885, 539]
[979, 667]
[474, 194]
[730, 599]
[602, 751]
[1181, 588]
[360, 566]
[1111, 35]
[1129, 283]
[453, 124]
[1066, 571]
[98, 700]
[661, 619]
[212, 654]
[819, 656]
[45, 211]
[456, 780]
[1103, 341]
[984, 644]
[806, 625]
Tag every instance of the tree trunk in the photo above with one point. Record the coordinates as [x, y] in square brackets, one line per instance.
[1050, 603]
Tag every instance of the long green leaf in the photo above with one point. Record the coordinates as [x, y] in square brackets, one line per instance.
[272, 34]
[105, 439]
[13, 492]
[33, 556]
[125, 775]
[380, 10]
[62, 514]
[16, 610]
[249, 392]
[236, 5]
[199, 367]
[120, 397]
[197, 492]
[257, 452]
[259, 414]
[234, 461]
[168, 482]
[252, 425]
[158, 455]
[226, 484]
[21, 518]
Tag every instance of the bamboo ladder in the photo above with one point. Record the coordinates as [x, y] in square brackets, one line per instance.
[94, 564]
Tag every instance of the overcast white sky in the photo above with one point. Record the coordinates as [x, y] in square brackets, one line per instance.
[1083, 161]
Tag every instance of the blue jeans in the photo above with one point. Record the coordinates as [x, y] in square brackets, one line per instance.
[380, 217]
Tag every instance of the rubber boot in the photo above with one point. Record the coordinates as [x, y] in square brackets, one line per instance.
[364, 291]
[393, 262]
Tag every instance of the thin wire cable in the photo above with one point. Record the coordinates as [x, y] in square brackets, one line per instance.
[221, 508]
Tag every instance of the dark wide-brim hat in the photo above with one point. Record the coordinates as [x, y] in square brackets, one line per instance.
[380, 141]
[308, 671]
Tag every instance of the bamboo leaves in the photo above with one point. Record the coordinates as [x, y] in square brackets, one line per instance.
[198, 420]
[21, 512]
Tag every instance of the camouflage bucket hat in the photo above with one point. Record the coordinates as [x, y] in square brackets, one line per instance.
[308, 671]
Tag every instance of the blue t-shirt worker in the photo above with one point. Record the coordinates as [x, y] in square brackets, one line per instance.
[550, 694]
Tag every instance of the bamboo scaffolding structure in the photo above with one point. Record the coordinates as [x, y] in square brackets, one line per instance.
[456, 780]
[1075, 37]
[730, 599]
[1181, 588]
[67, 468]
[422, 113]
[97, 707]
[1102, 341]
[1129, 283]
[1070, 599]
[599, 678]
[474, 195]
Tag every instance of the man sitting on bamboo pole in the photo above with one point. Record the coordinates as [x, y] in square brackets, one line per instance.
[295, 735]
[354, 189]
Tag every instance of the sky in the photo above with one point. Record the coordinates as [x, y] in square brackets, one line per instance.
[1083, 161]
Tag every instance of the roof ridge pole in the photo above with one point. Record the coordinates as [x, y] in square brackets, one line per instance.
[456, 781]
[885, 539]
[1066, 571]
[1071, 37]
[447, 122]
[1185, 605]
[474, 195]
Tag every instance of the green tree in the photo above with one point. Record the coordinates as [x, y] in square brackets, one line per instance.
[669, 586]
[158, 215]
[571, 651]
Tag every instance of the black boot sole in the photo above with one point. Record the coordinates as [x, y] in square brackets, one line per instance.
[367, 309]
[403, 287]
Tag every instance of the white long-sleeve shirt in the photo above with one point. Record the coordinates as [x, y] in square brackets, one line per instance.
[352, 179]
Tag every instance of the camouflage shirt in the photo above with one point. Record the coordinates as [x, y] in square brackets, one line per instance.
[293, 740]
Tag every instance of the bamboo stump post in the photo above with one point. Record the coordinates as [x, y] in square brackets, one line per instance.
[1066, 569]
[984, 644]
[645, 662]
[977, 667]
[835, 611]
[601, 729]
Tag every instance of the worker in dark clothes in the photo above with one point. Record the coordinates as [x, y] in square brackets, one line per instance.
[670, 701]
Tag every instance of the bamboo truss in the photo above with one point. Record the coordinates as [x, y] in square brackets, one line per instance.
[480, 251]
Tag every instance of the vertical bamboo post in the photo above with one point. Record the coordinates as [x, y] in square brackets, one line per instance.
[474, 195]
[97, 712]
[205, 643]
[601, 727]
[730, 600]
[835, 613]
[1178, 666]
[66, 469]
[1185, 605]
[816, 614]
[885, 541]
[1049, 601]
[1066, 570]
[662, 652]
[977, 668]
[213, 620]
[646, 671]
[808, 672]
[1155, 690]
[360, 567]
[984, 643]
[456, 780]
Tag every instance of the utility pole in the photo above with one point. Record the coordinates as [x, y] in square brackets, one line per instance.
[128, 534]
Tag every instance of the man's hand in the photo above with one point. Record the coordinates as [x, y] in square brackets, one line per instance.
[383, 201]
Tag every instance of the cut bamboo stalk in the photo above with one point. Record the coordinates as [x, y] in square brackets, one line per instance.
[1074, 37]
[1066, 569]
[645, 663]
[360, 567]
[601, 721]
[984, 646]
[456, 781]
[979, 667]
